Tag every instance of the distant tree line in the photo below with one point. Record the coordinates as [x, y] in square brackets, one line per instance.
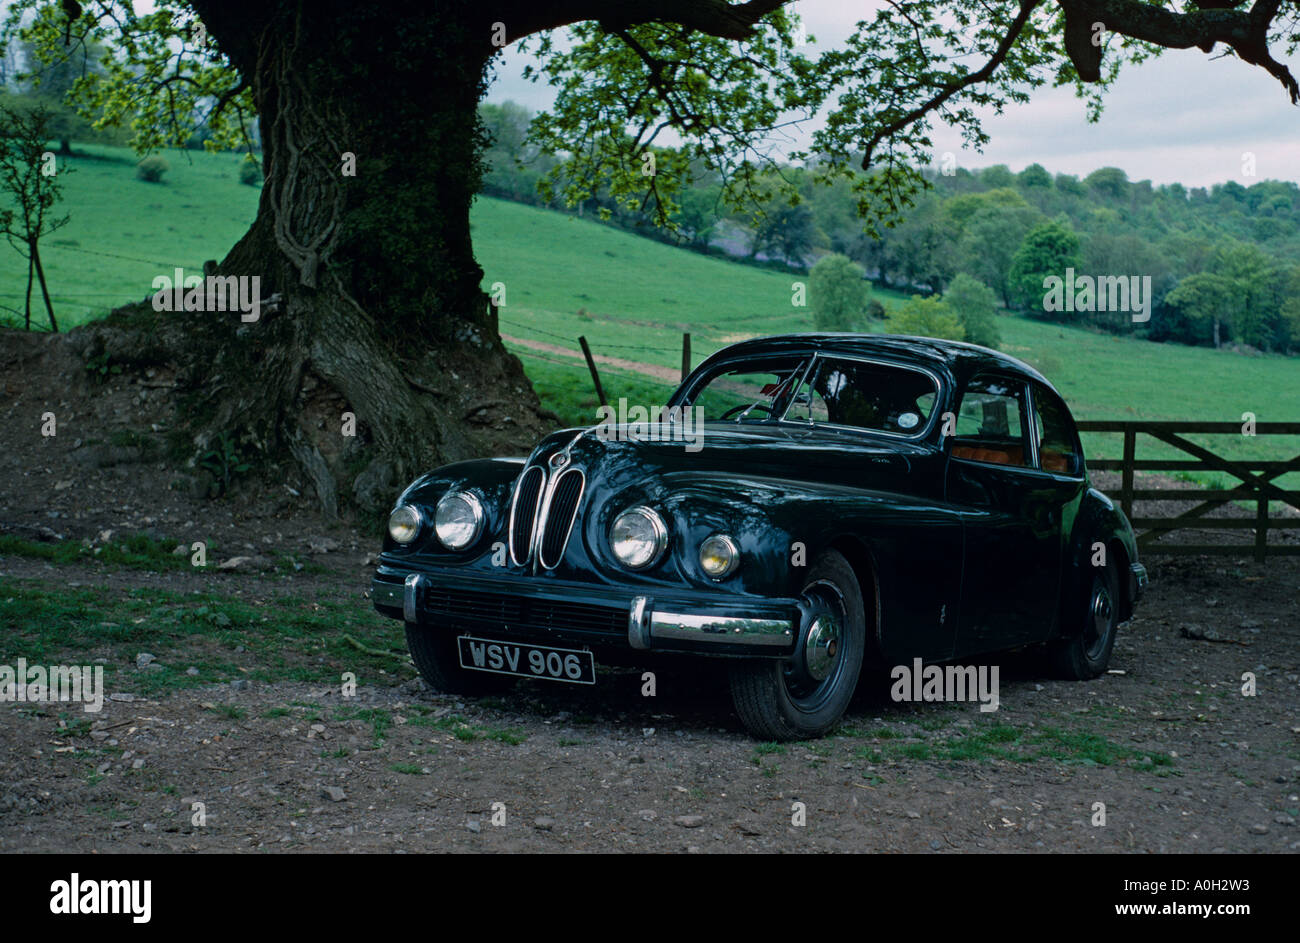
[1223, 263]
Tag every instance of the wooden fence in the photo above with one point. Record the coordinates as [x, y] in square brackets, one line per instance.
[1256, 486]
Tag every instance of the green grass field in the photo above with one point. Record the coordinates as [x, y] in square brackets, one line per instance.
[631, 297]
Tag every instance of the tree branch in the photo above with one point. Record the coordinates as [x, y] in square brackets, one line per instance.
[999, 56]
[1243, 31]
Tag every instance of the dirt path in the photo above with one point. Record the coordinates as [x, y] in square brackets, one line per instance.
[665, 374]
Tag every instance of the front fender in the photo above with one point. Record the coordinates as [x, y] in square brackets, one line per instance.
[1100, 521]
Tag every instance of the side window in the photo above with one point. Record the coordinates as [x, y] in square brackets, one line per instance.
[1058, 444]
[991, 422]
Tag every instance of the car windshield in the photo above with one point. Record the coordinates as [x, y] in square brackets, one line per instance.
[752, 391]
[873, 396]
[835, 391]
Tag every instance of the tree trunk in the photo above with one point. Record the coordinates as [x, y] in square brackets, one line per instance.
[1216, 334]
[370, 297]
[31, 279]
[35, 256]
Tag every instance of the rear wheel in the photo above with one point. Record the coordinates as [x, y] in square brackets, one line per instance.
[434, 652]
[806, 695]
[1087, 652]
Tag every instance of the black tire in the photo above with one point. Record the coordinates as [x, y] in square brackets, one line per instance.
[1086, 652]
[434, 652]
[775, 698]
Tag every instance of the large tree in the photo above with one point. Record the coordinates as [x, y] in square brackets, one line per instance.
[374, 304]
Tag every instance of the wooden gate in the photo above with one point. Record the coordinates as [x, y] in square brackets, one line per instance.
[1255, 477]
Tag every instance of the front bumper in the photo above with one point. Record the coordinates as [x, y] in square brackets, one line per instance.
[554, 610]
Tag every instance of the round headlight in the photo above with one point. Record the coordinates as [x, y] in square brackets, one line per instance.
[404, 523]
[719, 556]
[638, 537]
[458, 519]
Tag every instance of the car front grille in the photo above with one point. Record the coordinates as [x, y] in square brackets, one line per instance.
[542, 514]
[523, 613]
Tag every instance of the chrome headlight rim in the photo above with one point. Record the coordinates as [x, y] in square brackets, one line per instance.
[475, 506]
[732, 553]
[418, 522]
[659, 531]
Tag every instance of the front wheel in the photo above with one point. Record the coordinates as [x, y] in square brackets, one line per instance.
[434, 653]
[1087, 652]
[805, 696]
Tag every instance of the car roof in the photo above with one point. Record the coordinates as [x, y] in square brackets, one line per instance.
[960, 359]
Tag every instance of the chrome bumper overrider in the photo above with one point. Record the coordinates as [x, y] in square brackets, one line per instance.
[1137, 581]
[645, 625]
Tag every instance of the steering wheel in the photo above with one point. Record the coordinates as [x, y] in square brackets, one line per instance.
[738, 409]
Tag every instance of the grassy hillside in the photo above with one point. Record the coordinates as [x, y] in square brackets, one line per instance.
[124, 232]
[631, 297]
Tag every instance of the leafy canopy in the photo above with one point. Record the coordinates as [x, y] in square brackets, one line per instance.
[720, 82]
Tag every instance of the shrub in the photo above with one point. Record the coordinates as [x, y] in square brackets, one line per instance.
[837, 293]
[926, 317]
[250, 174]
[975, 306]
[152, 168]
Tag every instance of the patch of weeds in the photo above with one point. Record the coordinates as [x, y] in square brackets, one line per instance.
[379, 719]
[410, 769]
[228, 711]
[276, 712]
[78, 728]
[915, 751]
[100, 367]
[509, 735]
[339, 754]
[566, 742]
[224, 462]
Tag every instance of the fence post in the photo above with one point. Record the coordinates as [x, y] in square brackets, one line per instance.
[1261, 529]
[1126, 486]
[591, 365]
[686, 354]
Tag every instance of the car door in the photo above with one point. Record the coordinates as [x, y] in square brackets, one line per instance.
[1060, 470]
[1010, 516]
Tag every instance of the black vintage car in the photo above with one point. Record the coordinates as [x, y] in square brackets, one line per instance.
[803, 506]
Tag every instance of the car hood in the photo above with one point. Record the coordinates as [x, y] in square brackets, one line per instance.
[616, 456]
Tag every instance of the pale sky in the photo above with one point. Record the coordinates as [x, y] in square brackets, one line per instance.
[1184, 118]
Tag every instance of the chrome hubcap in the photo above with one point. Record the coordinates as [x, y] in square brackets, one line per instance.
[1103, 614]
[821, 646]
[1101, 611]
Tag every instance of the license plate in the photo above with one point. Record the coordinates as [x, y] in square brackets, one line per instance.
[527, 661]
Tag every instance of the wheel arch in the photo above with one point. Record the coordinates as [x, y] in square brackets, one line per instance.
[862, 560]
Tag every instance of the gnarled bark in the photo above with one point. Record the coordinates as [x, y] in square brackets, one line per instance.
[370, 293]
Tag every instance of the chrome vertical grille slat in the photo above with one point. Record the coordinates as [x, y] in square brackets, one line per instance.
[553, 532]
[524, 508]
